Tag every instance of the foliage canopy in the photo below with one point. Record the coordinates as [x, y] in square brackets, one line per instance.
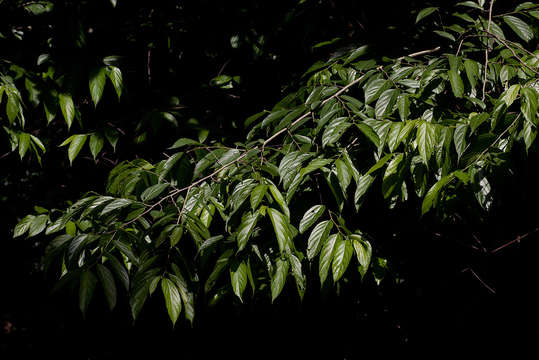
[292, 204]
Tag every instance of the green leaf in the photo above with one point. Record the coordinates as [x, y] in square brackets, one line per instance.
[343, 174]
[169, 164]
[326, 256]
[431, 198]
[279, 278]
[403, 105]
[426, 140]
[334, 131]
[528, 104]
[274, 116]
[444, 34]
[385, 103]
[257, 195]
[280, 200]
[220, 265]
[317, 238]
[176, 235]
[96, 143]
[184, 142]
[424, 13]
[529, 133]
[238, 277]
[116, 205]
[120, 271]
[86, 290]
[75, 146]
[374, 89]
[363, 185]
[341, 259]
[13, 104]
[470, 4]
[24, 143]
[392, 178]
[520, 28]
[477, 120]
[173, 300]
[23, 226]
[153, 191]
[290, 165]
[379, 269]
[380, 163]
[115, 76]
[393, 136]
[68, 108]
[97, 83]
[37, 225]
[280, 226]
[301, 279]
[112, 136]
[107, 281]
[405, 131]
[315, 165]
[511, 94]
[241, 192]
[363, 251]
[186, 294]
[456, 83]
[310, 217]
[38, 142]
[246, 228]
[472, 72]
[460, 139]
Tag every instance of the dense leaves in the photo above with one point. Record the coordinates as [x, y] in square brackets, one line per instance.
[211, 218]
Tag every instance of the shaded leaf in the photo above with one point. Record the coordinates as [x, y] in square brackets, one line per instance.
[109, 286]
[279, 278]
[529, 104]
[173, 300]
[431, 198]
[86, 290]
[424, 13]
[97, 84]
[153, 191]
[238, 277]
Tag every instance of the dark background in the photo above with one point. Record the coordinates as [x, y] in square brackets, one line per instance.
[448, 270]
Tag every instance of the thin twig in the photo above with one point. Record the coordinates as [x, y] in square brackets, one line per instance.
[505, 43]
[494, 142]
[518, 12]
[487, 51]
[480, 280]
[423, 52]
[516, 240]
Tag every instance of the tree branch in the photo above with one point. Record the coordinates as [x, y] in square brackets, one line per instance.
[487, 51]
